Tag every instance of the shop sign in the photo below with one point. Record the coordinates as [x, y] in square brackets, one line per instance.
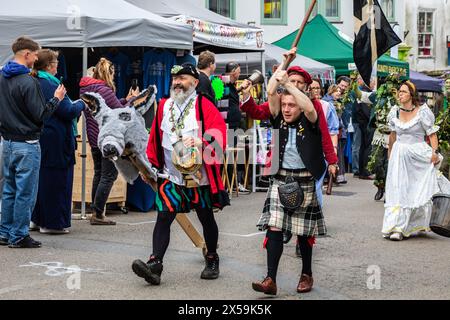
[225, 36]
[403, 72]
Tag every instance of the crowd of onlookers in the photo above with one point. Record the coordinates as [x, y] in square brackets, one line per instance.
[39, 121]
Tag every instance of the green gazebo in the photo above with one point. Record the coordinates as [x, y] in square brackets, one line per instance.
[323, 42]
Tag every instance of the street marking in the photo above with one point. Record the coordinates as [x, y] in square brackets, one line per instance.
[11, 289]
[136, 224]
[57, 269]
[242, 235]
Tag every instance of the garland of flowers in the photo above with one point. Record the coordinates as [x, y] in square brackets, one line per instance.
[386, 97]
[443, 121]
[349, 96]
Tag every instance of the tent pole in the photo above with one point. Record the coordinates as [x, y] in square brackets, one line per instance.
[263, 70]
[83, 148]
[255, 144]
[246, 63]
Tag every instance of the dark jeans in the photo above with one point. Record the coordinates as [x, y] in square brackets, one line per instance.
[105, 173]
[365, 148]
[21, 164]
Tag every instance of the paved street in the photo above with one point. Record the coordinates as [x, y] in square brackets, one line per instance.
[416, 268]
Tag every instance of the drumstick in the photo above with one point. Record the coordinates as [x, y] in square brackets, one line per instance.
[300, 32]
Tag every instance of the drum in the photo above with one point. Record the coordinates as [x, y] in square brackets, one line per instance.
[440, 216]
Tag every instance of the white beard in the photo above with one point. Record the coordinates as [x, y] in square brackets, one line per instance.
[182, 96]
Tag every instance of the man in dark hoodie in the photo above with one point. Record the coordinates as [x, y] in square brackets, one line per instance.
[22, 112]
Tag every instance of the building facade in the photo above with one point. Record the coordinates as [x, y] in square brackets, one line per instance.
[281, 17]
[427, 29]
[424, 25]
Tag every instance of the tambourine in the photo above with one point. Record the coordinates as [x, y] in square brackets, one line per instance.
[186, 160]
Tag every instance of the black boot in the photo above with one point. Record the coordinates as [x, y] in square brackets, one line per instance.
[211, 270]
[298, 252]
[379, 194]
[150, 271]
[287, 235]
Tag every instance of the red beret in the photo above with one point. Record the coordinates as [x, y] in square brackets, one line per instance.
[300, 71]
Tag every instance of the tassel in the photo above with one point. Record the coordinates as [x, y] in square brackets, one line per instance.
[265, 242]
[312, 241]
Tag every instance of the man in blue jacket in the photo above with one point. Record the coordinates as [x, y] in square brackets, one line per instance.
[22, 112]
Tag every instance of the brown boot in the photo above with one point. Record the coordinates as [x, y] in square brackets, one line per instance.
[95, 221]
[305, 284]
[267, 286]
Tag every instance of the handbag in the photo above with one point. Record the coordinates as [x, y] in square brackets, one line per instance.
[350, 128]
[291, 195]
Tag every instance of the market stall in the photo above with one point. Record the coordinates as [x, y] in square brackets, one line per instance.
[84, 24]
[212, 31]
[426, 83]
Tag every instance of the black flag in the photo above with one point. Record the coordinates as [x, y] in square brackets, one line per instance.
[373, 36]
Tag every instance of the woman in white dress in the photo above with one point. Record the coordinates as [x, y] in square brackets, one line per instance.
[412, 176]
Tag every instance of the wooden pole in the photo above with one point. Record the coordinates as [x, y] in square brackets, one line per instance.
[300, 32]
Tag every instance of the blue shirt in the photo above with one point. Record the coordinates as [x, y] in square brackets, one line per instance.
[332, 117]
[122, 71]
[156, 67]
[292, 159]
[187, 58]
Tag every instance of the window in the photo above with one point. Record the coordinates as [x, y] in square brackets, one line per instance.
[225, 8]
[330, 9]
[425, 33]
[389, 9]
[274, 12]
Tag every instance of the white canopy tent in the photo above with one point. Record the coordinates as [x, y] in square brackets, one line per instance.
[273, 55]
[210, 29]
[85, 24]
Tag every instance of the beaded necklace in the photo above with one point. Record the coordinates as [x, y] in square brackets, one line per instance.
[179, 124]
[408, 110]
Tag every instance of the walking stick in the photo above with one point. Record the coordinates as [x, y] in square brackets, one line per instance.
[300, 32]
[330, 184]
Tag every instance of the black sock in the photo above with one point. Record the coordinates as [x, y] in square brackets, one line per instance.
[274, 248]
[210, 229]
[306, 250]
[161, 233]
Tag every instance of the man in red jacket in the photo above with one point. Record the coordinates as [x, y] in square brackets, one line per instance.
[196, 122]
[301, 79]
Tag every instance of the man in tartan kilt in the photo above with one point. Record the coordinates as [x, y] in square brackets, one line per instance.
[300, 156]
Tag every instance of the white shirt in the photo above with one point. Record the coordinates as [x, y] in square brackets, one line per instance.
[191, 129]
